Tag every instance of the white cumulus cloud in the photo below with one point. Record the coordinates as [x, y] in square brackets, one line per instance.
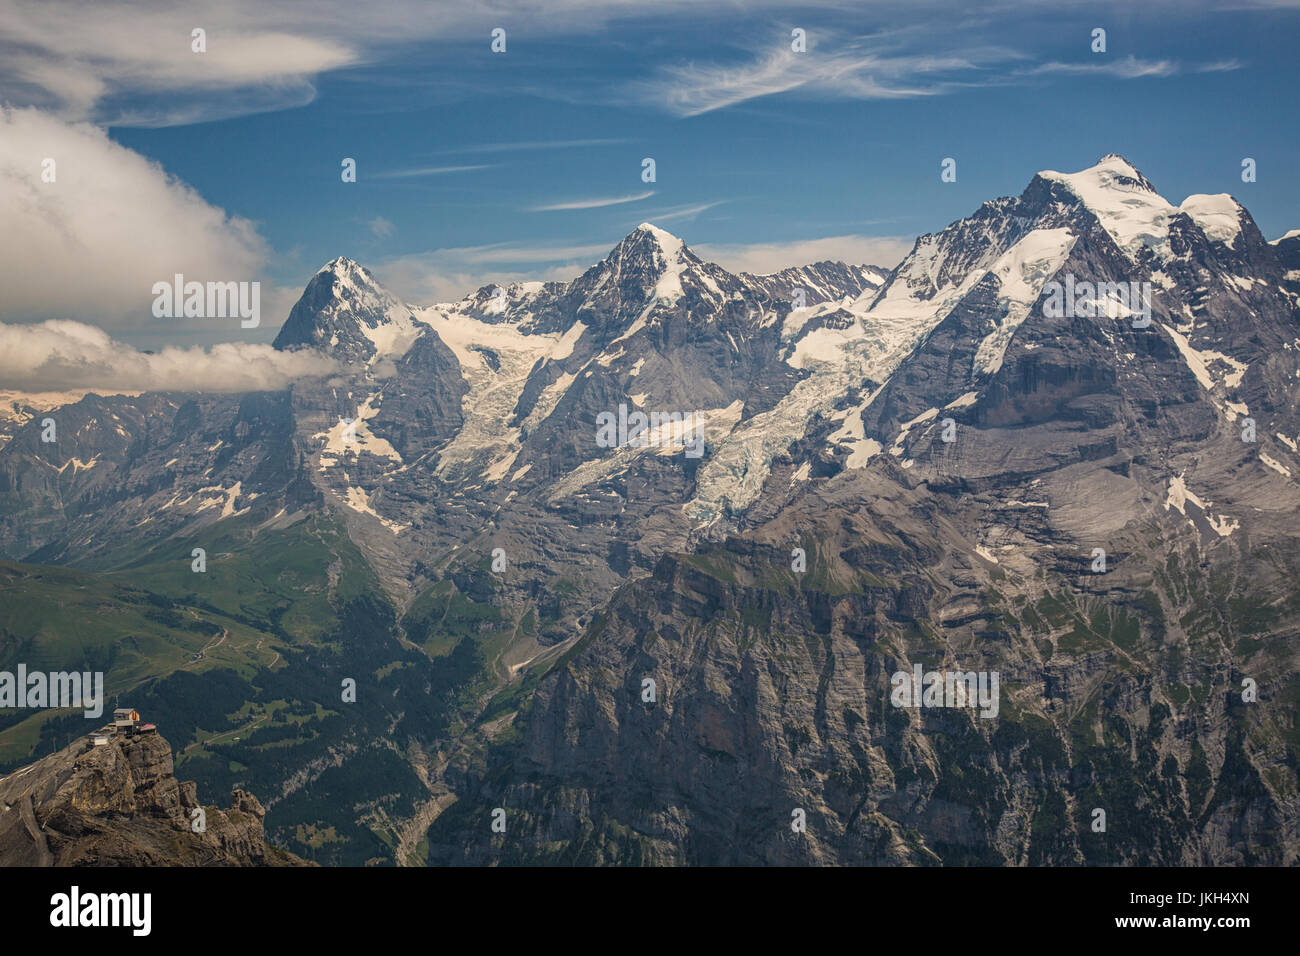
[92, 243]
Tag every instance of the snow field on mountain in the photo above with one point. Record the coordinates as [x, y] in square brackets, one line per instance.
[1022, 271]
[1133, 214]
[351, 438]
[1180, 496]
[665, 440]
[1219, 216]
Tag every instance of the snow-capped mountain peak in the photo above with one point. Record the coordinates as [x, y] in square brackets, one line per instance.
[1123, 200]
[1136, 216]
[351, 278]
[341, 264]
[345, 310]
[1218, 216]
[665, 239]
[654, 257]
[1112, 176]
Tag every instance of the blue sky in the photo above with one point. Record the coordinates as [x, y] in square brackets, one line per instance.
[477, 167]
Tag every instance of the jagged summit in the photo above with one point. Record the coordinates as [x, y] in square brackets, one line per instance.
[648, 269]
[1218, 215]
[346, 311]
[652, 269]
[350, 275]
[1117, 162]
[665, 238]
[1136, 216]
[645, 262]
[1131, 209]
[652, 253]
[341, 264]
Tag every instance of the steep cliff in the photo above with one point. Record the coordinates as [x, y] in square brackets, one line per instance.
[120, 804]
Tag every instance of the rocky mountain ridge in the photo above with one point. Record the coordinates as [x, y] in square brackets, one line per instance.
[1097, 501]
[119, 804]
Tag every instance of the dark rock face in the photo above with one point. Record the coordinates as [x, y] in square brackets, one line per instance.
[1288, 256]
[145, 466]
[774, 695]
[120, 805]
[820, 282]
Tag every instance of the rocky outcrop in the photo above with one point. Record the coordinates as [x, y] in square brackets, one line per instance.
[120, 804]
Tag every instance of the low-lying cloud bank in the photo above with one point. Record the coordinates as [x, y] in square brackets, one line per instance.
[60, 355]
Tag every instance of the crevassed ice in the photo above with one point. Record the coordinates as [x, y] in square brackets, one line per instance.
[492, 394]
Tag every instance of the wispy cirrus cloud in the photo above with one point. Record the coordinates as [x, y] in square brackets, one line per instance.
[683, 212]
[536, 144]
[1219, 66]
[897, 65]
[1130, 67]
[857, 71]
[133, 64]
[595, 203]
[541, 252]
[420, 172]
